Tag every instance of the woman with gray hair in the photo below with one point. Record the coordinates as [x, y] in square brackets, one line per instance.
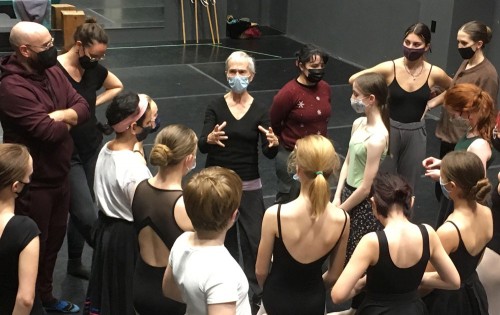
[230, 137]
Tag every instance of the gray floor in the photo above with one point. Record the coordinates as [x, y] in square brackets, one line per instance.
[183, 79]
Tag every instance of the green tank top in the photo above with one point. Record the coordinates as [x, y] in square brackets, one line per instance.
[464, 143]
[357, 160]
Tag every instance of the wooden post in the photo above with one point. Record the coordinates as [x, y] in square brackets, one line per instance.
[70, 21]
[56, 14]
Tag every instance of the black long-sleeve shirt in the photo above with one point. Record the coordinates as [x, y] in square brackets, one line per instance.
[241, 152]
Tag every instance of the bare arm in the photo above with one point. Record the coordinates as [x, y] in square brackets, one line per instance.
[447, 276]
[169, 287]
[222, 309]
[482, 149]
[386, 69]
[112, 86]
[436, 101]
[269, 232]
[345, 167]
[337, 258]
[181, 217]
[28, 269]
[375, 147]
[340, 186]
[365, 254]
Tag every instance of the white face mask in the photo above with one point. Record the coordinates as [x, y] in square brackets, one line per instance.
[358, 105]
[189, 169]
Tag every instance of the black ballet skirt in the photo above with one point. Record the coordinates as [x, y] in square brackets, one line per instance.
[471, 298]
[392, 304]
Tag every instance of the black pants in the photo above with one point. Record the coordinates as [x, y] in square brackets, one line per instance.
[244, 236]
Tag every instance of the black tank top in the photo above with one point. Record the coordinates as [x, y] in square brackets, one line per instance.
[464, 262]
[284, 262]
[293, 287]
[154, 207]
[386, 278]
[408, 107]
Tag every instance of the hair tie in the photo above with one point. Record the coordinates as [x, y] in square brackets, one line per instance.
[319, 173]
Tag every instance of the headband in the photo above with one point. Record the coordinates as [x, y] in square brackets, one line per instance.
[141, 109]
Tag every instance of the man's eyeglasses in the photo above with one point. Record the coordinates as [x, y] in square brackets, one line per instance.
[45, 46]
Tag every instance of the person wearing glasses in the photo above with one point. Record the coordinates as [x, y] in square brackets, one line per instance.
[38, 108]
[81, 66]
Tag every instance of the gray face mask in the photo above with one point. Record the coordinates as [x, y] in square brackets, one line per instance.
[358, 105]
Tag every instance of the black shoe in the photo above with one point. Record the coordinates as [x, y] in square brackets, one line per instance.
[77, 269]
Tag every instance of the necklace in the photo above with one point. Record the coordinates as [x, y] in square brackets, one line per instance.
[414, 76]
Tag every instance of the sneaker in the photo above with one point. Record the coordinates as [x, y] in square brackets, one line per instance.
[62, 307]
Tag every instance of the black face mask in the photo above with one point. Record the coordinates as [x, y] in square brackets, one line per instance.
[86, 63]
[143, 134]
[45, 59]
[23, 191]
[466, 52]
[315, 75]
[413, 54]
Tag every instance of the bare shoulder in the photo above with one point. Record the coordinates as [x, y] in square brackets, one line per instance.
[337, 215]
[379, 138]
[435, 71]
[358, 122]
[369, 240]
[272, 211]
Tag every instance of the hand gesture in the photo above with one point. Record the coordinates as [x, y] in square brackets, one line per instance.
[431, 163]
[217, 135]
[433, 174]
[271, 137]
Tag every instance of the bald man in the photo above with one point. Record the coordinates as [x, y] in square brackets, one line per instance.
[38, 107]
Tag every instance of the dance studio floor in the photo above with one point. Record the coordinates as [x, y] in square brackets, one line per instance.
[183, 79]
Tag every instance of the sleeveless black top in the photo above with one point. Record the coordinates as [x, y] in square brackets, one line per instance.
[154, 207]
[386, 278]
[471, 297]
[408, 107]
[293, 287]
[464, 262]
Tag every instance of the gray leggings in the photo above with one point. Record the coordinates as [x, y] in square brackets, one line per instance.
[408, 149]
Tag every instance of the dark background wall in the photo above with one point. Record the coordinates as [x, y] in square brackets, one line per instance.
[361, 32]
[366, 32]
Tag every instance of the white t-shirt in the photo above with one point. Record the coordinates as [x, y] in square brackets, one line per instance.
[207, 275]
[117, 174]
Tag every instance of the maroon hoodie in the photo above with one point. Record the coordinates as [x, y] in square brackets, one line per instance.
[26, 99]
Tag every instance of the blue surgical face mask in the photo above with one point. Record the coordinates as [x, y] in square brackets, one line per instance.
[358, 105]
[238, 83]
[445, 191]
